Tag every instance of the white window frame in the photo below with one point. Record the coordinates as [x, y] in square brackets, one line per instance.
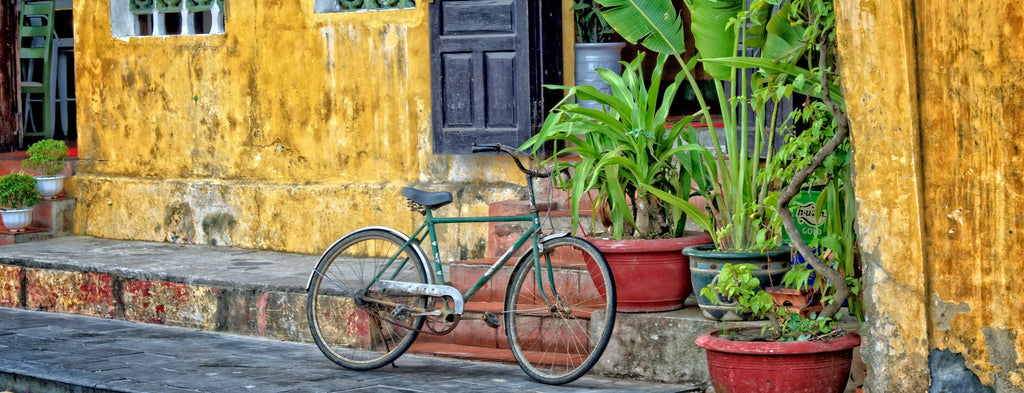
[125, 23]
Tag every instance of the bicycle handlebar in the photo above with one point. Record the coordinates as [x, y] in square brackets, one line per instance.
[497, 147]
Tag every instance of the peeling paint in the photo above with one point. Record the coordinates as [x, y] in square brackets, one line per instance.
[85, 293]
[943, 313]
[11, 285]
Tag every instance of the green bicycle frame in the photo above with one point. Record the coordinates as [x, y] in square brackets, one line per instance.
[427, 229]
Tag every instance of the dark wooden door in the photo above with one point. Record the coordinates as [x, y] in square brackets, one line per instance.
[488, 61]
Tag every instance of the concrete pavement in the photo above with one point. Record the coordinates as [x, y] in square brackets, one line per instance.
[52, 352]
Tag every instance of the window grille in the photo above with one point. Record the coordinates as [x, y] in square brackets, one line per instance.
[166, 17]
[323, 6]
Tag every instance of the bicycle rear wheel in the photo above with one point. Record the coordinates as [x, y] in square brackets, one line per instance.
[558, 330]
[354, 324]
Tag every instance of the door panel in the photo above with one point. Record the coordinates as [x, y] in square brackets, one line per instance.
[479, 78]
[488, 61]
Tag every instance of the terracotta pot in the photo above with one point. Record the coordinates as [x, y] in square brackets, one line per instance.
[650, 275]
[705, 263]
[783, 367]
[800, 301]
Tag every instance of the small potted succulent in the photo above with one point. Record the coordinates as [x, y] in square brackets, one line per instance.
[47, 156]
[17, 196]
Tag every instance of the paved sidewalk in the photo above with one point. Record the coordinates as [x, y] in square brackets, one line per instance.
[50, 352]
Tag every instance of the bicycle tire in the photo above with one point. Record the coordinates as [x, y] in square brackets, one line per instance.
[557, 345]
[351, 332]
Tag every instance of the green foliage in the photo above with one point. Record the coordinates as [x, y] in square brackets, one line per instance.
[796, 42]
[735, 283]
[791, 327]
[46, 156]
[630, 154]
[590, 24]
[797, 277]
[18, 191]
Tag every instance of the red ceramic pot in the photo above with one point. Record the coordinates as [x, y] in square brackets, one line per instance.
[652, 274]
[783, 367]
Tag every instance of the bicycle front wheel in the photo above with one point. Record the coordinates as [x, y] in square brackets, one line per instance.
[560, 314]
[353, 323]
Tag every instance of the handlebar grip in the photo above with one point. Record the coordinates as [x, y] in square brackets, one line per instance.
[487, 147]
[483, 147]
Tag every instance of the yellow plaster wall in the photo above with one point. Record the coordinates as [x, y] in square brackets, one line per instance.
[933, 95]
[882, 104]
[972, 55]
[284, 133]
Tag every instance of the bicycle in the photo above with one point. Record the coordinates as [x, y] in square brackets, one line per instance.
[373, 291]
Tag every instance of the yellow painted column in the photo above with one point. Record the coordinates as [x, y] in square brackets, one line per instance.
[876, 42]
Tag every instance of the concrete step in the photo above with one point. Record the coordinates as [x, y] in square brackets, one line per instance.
[50, 218]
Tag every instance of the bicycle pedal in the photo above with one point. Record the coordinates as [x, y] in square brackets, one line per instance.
[491, 320]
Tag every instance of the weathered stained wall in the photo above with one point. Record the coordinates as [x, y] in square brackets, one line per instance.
[284, 133]
[932, 91]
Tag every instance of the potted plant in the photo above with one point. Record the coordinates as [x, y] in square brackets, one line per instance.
[620, 155]
[594, 49]
[17, 196]
[774, 358]
[47, 156]
[741, 214]
[793, 40]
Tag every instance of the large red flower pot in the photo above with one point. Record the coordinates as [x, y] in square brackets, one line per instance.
[783, 367]
[650, 274]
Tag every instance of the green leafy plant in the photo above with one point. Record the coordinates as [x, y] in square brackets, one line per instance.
[46, 156]
[735, 283]
[624, 154]
[799, 277]
[794, 41]
[18, 191]
[590, 24]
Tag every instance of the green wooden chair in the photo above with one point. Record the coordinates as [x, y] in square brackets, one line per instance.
[36, 37]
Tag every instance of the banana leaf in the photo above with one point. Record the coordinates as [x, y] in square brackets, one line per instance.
[713, 33]
[653, 23]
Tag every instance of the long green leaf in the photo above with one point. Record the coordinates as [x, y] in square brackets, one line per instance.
[653, 23]
[784, 40]
[712, 34]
